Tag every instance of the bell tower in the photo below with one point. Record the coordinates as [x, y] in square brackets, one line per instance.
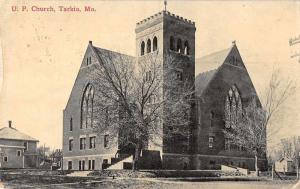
[165, 35]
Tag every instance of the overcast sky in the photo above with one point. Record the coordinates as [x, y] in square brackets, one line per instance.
[42, 52]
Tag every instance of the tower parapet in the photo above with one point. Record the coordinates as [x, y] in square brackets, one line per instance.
[164, 13]
[160, 17]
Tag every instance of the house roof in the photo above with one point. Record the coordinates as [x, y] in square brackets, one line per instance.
[13, 134]
[207, 66]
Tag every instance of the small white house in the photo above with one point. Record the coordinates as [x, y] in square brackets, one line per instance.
[285, 165]
[17, 150]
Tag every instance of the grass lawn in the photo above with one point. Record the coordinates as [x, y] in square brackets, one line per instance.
[159, 183]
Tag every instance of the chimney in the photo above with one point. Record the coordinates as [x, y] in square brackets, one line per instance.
[10, 124]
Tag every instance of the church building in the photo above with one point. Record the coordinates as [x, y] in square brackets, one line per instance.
[223, 87]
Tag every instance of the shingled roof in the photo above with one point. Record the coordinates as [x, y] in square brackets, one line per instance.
[13, 134]
[114, 56]
[206, 67]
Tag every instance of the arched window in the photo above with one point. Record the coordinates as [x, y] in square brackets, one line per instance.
[154, 43]
[186, 48]
[87, 107]
[233, 107]
[142, 48]
[179, 46]
[172, 43]
[148, 46]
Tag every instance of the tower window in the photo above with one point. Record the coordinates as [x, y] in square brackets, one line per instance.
[212, 117]
[186, 48]
[179, 46]
[227, 144]
[148, 46]
[142, 48]
[210, 142]
[179, 75]
[148, 76]
[105, 141]
[172, 43]
[154, 43]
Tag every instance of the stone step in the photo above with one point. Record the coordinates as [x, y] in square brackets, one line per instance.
[120, 165]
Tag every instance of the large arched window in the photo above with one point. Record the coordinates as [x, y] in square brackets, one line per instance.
[172, 43]
[148, 46]
[87, 107]
[142, 48]
[179, 46]
[154, 43]
[186, 48]
[233, 107]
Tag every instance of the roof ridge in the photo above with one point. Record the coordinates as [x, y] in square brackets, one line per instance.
[216, 52]
[99, 48]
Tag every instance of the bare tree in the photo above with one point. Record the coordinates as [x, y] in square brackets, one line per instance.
[254, 127]
[278, 91]
[133, 100]
[290, 147]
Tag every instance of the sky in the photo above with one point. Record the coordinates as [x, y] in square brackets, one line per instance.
[41, 52]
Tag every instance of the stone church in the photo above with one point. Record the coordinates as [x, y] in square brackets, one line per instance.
[223, 88]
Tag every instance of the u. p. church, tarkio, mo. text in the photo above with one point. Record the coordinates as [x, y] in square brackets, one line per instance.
[223, 87]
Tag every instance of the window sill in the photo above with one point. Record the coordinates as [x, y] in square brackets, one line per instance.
[173, 51]
[149, 53]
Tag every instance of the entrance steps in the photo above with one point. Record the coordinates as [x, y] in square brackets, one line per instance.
[120, 164]
[237, 171]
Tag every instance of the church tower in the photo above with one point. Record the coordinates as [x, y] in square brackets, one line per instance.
[166, 36]
[165, 33]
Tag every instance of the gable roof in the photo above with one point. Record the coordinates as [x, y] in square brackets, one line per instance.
[13, 134]
[100, 54]
[104, 53]
[207, 66]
